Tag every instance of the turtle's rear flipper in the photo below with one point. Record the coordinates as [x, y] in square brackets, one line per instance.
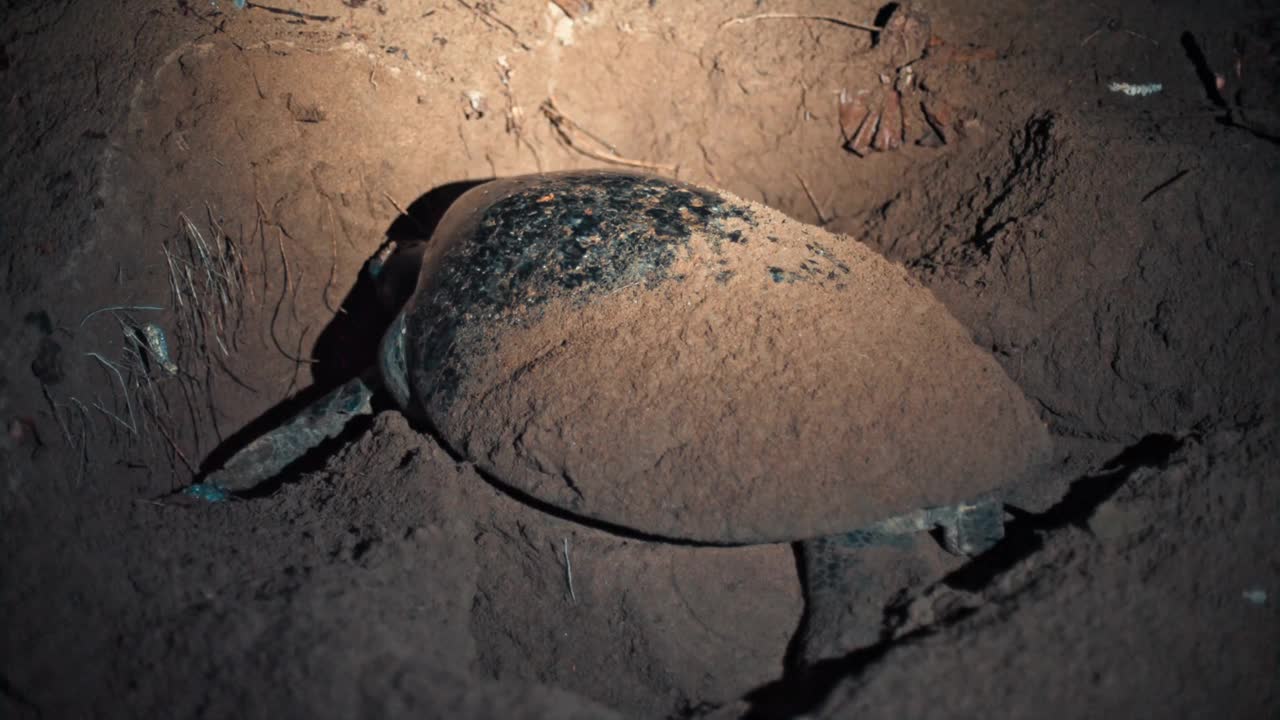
[849, 579]
[268, 455]
[846, 589]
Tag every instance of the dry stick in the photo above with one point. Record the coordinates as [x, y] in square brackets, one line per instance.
[822, 218]
[291, 13]
[567, 129]
[333, 272]
[293, 301]
[603, 142]
[262, 245]
[177, 450]
[426, 233]
[396, 205]
[53, 407]
[1164, 185]
[568, 571]
[567, 9]
[483, 14]
[797, 16]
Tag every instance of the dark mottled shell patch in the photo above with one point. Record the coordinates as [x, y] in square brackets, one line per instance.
[579, 234]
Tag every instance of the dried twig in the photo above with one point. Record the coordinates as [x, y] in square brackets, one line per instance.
[488, 18]
[568, 571]
[85, 426]
[426, 232]
[1164, 185]
[798, 16]
[291, 13]
[822, 218]
[333, 272]
[573, 8]
[568, 130]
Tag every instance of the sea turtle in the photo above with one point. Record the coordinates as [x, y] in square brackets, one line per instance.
[678, 363]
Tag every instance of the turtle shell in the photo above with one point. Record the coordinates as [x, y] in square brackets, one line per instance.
[687, 364]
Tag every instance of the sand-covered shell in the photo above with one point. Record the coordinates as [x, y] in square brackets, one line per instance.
[689, 364]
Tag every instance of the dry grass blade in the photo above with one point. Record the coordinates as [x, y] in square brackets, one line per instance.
[284, 291]
[207, 279]
[132, 424]
[118, 308]
[488, 18]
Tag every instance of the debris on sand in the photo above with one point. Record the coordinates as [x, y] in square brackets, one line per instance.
[1135, 90]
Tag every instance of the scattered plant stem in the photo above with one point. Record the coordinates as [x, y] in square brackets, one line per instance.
[488, 18]
[568, 131]
[426, 232]
[798, 16]
[822, 217]
[115, 308]
[132, 424]
[568, 571]
[284, 291]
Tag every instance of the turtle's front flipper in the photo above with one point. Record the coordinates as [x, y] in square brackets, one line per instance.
[268, 455]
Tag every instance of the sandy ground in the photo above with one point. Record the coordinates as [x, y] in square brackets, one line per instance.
[1115, 253]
